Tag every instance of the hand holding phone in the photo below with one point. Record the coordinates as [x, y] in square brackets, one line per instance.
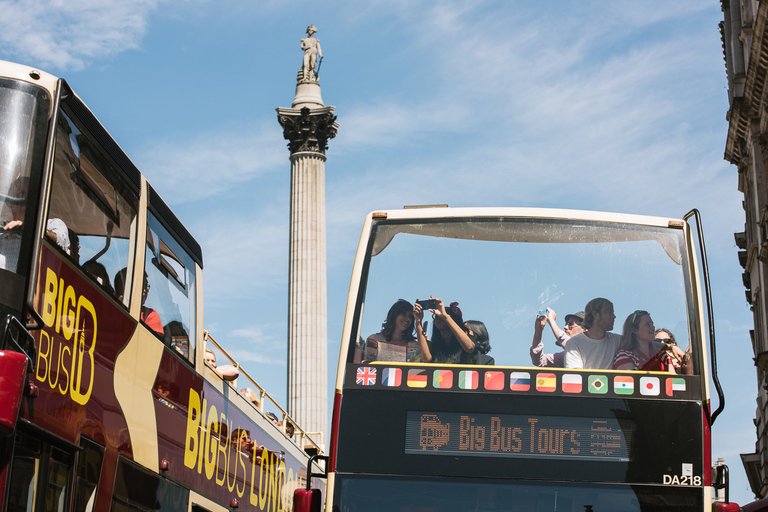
[427, 304]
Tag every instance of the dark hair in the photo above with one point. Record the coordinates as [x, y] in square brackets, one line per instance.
[482, 342]
[596, 305]
[451, 345]
[671, 336]
[388, 327]
[628, 336]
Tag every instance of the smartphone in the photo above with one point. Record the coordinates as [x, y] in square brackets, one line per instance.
[543, 312]
[427, 304]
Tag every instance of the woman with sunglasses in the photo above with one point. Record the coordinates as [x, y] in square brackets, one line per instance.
[638, 349]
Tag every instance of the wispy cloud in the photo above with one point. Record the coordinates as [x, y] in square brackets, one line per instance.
[66, 35]
[211, 163]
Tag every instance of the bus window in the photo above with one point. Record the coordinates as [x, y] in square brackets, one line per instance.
[23, 128]
[169, 294]
[88, 469]
[40, 473]
[139, 490]
[91, 207]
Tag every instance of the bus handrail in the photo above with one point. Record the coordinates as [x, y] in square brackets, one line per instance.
[710, 314]
[304, 440]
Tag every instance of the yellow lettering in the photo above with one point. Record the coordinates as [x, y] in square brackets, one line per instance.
[63, 367]
[52, 384]
[264, 479]
[68, 321]
[49, 297]
[211, 442]
[253, 498]
[191, 444]
[223, 449]
[58, 304]
[42, 355]
[78, 352]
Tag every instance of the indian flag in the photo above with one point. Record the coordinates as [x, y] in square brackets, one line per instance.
[624, 385]
[468, 379]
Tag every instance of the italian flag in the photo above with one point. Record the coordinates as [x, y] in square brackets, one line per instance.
[468, 379]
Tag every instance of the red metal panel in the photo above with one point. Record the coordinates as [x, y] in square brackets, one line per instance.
[13, 372]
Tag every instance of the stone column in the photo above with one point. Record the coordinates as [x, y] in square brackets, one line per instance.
[307, 130]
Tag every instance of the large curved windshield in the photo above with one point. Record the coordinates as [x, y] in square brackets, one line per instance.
[506, 272]
[23, 127]
[397, 494]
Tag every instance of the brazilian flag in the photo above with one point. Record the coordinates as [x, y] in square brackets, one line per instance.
[598, 384]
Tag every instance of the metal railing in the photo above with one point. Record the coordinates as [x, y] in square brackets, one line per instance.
[301, 438]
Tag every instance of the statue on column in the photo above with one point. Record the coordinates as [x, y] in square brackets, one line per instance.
[309, 64]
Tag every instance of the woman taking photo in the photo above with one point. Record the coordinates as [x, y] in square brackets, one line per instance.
[450, 342]
[638, 349]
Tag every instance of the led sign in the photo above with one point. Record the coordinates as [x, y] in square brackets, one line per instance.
[510, 435]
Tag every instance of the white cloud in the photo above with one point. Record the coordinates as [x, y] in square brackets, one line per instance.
[66, 35]
[212, 163]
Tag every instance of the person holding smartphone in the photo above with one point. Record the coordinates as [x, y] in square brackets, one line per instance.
[450, 341]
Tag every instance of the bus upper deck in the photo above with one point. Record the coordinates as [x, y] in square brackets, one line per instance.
[423, 422]
[101, 287]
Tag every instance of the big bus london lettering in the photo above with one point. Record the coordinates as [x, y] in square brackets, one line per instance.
[113, 406]
[440, 425]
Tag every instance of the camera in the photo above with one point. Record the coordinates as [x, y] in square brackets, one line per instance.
[427, 304]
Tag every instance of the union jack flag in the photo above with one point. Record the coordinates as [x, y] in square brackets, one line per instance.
[366, 376]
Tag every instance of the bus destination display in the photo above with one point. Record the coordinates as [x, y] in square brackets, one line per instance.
[512, 435]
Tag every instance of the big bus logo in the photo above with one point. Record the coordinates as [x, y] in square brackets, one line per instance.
[432, 433]
[69, 369]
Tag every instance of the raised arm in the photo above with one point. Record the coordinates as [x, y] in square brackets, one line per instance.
[418, 316]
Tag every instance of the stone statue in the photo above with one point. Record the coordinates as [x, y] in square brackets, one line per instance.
[311, 47]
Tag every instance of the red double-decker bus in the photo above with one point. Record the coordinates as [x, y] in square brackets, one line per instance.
[107, 400]
[473, 418]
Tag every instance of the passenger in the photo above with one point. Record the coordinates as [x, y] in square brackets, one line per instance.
[638, 350]
[225, 371]
[479, 333]
[149, 316]
[251, 396]
[10, 241]
[176, 337]
[683, 364]
[395, 342]
[573, 326]
[99, 274]
[289, 428]
[272, 416]
[450, 341]
[242, 439]
[596, 347]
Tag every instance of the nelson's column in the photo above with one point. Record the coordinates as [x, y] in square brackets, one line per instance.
[307, 126]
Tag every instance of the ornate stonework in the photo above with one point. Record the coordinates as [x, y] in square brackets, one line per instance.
[308, 130]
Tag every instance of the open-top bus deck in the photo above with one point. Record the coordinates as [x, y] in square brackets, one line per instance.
[106, 399]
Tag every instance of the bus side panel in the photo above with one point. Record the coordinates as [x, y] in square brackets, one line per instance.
[206, 440]
[76, 347]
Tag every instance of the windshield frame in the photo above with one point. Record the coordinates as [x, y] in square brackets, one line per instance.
[623, 226]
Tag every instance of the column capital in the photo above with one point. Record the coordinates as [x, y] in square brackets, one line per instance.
[308, 130]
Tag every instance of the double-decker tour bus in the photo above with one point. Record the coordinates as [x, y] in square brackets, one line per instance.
[107, 398]
[492, 430]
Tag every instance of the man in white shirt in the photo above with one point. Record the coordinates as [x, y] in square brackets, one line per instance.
[595, 348]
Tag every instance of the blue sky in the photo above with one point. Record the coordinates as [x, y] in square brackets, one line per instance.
[613, 106]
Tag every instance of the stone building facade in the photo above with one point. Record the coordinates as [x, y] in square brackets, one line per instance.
[744, 32]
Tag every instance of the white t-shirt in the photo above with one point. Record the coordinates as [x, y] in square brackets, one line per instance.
[581, 351]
